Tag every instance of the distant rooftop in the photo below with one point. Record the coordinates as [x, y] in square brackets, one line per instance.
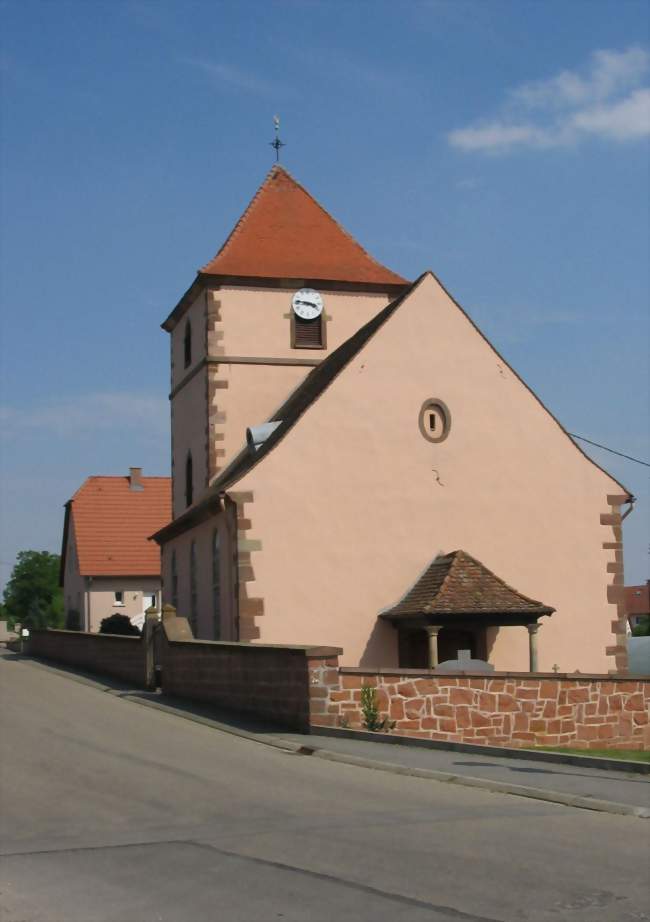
[113, 519]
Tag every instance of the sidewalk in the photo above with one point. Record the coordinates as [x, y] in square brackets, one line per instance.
[617, 786]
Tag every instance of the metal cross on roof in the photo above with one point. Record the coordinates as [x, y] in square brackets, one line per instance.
[277, 143]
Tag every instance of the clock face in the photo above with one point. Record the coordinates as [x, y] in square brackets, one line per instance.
[307, 304]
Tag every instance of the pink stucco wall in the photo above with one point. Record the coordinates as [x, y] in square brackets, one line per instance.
[180, 547]
[249, 323]
[354, 503]
[256, 321]
[189, 414]
[252, 395]
[135, 590]
[195, 315]
[73, 582]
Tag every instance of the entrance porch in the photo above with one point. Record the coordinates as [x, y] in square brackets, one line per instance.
[456, 605]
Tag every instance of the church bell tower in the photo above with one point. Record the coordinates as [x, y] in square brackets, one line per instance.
[287, 287]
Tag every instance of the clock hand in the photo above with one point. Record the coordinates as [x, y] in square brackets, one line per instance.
[306, 303]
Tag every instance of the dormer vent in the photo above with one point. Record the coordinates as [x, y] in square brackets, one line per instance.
[257, 435]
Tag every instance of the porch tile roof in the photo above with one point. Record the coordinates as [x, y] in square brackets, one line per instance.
[456, 583]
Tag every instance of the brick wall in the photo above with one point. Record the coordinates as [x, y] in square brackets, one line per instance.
[107, 654]
[502, 709]
[266, 681]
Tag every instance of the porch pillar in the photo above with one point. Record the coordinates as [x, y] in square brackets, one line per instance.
[532, 646]
[432, 631]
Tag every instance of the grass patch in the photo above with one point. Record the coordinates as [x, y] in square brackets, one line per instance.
[632, 755]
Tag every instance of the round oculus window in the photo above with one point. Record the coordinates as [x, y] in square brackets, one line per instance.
[434, 420]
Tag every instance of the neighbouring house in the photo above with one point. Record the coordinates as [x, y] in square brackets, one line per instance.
[108, 562]
[353, 463]
[6, 633]
[637, 604]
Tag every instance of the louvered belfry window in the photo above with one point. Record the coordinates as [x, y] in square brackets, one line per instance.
[308, 334]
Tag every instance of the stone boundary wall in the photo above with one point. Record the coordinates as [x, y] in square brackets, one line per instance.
[108, 654]
[268, 681]
[301, 686]
[265, 680]
[499, 709]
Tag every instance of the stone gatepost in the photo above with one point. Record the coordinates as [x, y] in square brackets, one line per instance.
[149, 628]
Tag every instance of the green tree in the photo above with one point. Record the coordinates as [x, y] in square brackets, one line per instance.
[643, 628]
[33, 595]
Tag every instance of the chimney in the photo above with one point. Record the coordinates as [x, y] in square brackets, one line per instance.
[135, 483]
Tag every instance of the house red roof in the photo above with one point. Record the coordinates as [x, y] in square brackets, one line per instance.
[637, 599]
[285, 233]
[112, 523]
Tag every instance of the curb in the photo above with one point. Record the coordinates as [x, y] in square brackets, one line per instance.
[500, 787]
[533, 755]
[288, 746]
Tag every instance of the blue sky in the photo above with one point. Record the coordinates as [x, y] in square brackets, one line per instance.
[502, 144]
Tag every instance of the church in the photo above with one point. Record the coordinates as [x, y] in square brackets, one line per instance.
[354, 464]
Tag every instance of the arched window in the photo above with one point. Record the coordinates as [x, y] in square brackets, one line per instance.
[174, 592]
[189, 480]
[187, 344]
[216, 585]
[194, 602]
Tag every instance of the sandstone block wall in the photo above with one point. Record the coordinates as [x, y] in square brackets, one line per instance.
[270, 682]
[522, 710]
[107, 654]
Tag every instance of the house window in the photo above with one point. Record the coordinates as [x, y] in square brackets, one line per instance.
[187, 345]
[307, 334]
[119, 598]
[194, 602]
[216, 585]
[189, 478]
[174, 581]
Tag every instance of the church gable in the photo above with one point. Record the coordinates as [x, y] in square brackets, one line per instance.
[425, 336]
[424, 440]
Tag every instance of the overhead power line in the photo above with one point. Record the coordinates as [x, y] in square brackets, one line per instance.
[611, 450]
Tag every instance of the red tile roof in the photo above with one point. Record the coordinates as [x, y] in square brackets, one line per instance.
[637, 599]
[285, 233]
[458, 584]
[112, 524]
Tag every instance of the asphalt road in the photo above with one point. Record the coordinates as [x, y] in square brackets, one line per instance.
[112, 812]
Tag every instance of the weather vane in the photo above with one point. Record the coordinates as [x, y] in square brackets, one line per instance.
[277, 143]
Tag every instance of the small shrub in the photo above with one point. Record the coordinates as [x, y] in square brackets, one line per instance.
[371, 717]
[643, 627]
[119, 624]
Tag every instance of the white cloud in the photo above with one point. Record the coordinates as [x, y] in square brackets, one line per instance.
[91, 412]
[238, 79]
[621, 121]
[494, 136]
[605, 102]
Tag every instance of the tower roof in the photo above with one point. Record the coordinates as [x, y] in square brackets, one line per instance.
[285, 233]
